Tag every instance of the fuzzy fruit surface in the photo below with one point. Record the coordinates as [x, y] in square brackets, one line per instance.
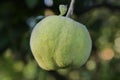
[59, 42]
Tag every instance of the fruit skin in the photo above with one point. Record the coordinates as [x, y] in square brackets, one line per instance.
[59, 42]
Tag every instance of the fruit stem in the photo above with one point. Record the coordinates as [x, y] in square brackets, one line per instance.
[70, 10]
[63, 9]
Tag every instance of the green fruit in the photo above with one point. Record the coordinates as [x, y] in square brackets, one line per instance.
[59, 42]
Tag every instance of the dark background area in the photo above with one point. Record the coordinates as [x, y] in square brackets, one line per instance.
[17, 19]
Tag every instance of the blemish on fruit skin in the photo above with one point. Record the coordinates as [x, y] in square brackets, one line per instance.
[58, 41]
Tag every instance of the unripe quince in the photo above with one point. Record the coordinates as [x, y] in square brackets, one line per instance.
[59, 42]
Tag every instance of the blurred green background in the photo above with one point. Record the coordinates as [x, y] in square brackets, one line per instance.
[17, 19]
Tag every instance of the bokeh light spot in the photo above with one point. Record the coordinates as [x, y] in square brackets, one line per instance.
[106, 54]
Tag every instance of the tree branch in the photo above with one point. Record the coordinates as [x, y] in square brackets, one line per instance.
[70, 10]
